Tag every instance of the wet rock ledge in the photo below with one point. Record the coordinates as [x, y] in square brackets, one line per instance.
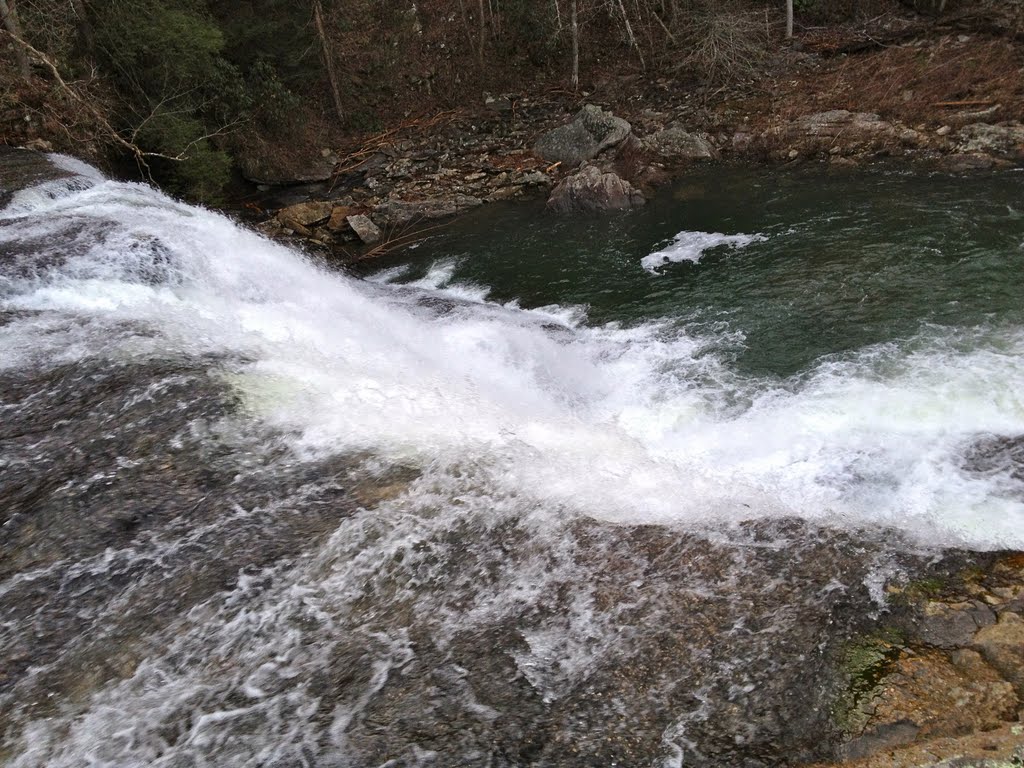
[21, 168]
[940, 682]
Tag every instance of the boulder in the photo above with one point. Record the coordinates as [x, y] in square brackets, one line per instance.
[364, 227]
[838, 127]
[677, 145]
[1005, 140]
[305, 214]
[591, 190]
[591, 132]
[284, 172]
[339, 218]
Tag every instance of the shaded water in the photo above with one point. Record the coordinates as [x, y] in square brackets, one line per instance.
[257, 513]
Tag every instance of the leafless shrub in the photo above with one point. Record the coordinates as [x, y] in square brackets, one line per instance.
[724, 43]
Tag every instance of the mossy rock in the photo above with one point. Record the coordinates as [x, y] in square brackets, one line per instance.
[865, 664]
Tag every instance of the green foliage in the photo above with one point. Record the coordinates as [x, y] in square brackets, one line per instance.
[268, 35]
[203, 170]
[185, 69]
[270, 100]
[164, 58]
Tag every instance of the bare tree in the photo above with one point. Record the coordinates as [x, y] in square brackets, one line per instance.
[574, 28]
[84, 27]
[630, 35]
[13, 27]
[325, 48]
[789, 19]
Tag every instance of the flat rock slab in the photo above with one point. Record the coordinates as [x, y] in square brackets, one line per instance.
[364, 227]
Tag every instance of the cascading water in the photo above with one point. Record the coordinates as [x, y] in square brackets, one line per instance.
[260, 513]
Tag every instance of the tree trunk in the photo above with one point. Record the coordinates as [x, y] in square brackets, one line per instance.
[575, 30]
[483, 32]
[631, 36]
[10, 16]
[84, 27]
[789, 19]
[325, 47]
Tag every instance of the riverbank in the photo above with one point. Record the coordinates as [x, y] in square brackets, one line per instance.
[943, 96]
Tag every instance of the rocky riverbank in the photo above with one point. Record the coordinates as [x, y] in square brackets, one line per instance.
[610, 148]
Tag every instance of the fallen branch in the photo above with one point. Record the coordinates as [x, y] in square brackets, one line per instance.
[397, 242]
[965, 103]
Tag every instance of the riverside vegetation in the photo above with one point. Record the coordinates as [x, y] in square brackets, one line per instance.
[191, 91]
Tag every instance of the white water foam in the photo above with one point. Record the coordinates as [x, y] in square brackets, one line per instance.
[691, 246]
[626, 424]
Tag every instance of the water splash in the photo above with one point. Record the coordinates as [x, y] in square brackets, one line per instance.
[691, 246]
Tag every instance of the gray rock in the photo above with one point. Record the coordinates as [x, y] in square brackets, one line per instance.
[20, 168]
[855, 130]
[952, 626]
[973, 161]
[591, 190]
[591, 132]
[676, 144]
[888, 736]
[741, 141]
[399, 213]
[364, 227]
[1005, 140]
[535, 179]
[262, 170]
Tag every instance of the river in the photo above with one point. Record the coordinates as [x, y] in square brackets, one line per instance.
[535, 492]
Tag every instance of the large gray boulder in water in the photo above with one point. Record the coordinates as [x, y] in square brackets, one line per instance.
[591, 190]
[591, 132]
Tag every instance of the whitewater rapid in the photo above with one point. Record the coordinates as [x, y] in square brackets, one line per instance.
[627, 424]
[259, 512]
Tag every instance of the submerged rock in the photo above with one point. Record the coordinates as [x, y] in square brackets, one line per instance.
[591, 190]
[972, 161]
[591, 132]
